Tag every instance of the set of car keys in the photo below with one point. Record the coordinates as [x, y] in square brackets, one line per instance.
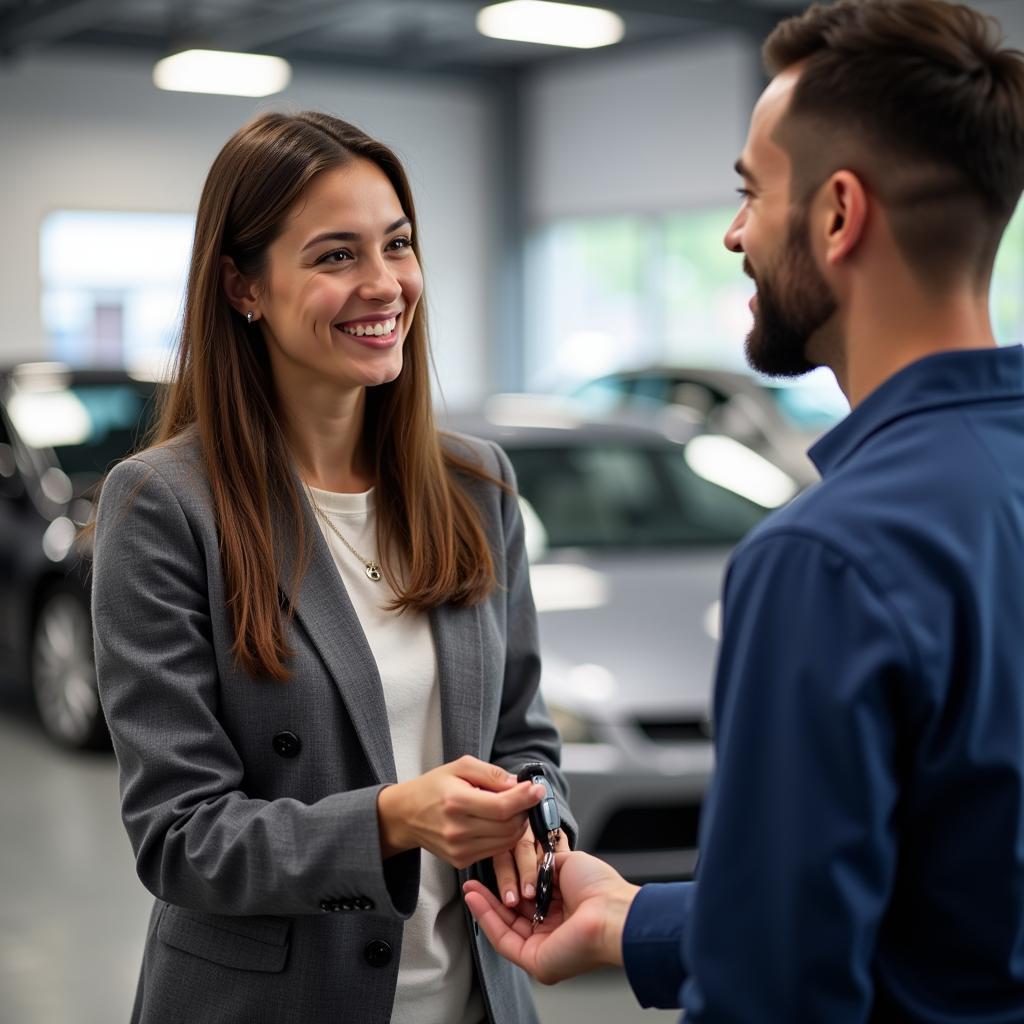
[546, 823]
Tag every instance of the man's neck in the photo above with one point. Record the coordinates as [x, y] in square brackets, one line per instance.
[885, 333]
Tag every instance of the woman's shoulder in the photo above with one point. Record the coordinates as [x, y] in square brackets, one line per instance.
[484, 454]
[177, 463]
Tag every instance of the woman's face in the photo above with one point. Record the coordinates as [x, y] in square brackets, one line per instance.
[341, 284]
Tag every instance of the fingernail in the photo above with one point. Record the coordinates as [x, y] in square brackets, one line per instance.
[510, 897]
[528, 891]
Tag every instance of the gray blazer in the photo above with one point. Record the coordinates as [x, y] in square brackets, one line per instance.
[251, 804]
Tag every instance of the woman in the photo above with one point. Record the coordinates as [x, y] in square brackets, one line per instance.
[315, 639]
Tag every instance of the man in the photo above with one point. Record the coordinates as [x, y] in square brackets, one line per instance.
[863, 838]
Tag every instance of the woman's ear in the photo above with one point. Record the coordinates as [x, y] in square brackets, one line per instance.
[240, 291]
[845, 215]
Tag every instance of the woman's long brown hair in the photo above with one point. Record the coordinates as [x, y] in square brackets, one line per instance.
[223, 386]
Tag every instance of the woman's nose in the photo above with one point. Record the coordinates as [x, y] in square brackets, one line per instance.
[380, 282]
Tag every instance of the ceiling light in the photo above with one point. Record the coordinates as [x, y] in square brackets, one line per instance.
[539, 21]
[216, 71]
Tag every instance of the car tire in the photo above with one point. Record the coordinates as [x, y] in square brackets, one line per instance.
[63, 671]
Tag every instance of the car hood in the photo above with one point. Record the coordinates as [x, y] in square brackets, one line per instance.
[630, 633]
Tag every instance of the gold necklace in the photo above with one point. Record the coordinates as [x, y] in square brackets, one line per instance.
[372, 568]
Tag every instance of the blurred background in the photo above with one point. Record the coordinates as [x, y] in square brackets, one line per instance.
[573, 183]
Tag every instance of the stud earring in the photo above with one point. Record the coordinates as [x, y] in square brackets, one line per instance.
[249, 317]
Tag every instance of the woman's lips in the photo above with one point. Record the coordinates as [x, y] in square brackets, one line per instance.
[376, 341]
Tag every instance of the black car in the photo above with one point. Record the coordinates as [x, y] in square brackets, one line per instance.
[60, 430]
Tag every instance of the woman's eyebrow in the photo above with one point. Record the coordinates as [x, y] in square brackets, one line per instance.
[351, 236]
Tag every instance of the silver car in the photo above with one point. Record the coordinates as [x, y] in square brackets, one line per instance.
[778, 419]
[628, 532]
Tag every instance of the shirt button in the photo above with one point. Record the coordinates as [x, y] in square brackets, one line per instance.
[377, 953]
[287, 744]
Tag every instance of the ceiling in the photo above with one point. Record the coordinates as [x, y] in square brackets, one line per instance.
[421, 36]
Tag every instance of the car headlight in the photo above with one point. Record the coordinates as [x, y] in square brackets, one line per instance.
[574, 728]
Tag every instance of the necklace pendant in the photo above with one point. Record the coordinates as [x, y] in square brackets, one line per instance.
[373, 571]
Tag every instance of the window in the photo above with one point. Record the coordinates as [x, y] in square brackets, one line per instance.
[612, 293]
[112, 285]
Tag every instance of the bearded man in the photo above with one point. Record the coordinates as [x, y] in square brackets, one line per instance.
[862, 844]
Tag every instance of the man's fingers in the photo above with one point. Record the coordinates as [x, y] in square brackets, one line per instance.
[506, 930]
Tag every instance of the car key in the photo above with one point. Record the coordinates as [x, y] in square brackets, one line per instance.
[546, 823]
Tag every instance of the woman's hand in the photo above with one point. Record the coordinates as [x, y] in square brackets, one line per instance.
[462, 812]
[516, 869]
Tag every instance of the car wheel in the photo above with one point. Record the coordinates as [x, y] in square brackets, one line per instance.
[63, 671]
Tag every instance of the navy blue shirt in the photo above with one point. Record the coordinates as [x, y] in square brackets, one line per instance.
[862, 844]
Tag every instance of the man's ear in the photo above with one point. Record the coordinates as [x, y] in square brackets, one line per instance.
[240, 291]
[845, 215]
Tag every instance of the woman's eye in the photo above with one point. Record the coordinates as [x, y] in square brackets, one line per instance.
[337, 256]
[400, 243]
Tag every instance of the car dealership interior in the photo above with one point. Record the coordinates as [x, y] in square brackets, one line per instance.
[573, 179]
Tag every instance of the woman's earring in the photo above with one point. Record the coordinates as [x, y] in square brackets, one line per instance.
[249, 317]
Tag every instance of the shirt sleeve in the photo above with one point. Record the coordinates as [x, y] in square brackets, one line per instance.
[798, 839]
[652, 942]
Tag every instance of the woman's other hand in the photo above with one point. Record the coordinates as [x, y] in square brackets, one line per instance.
[516, 869]
[462, 812]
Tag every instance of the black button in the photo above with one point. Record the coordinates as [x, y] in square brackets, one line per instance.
[377, 953]
[362, 903]
[328, 906]
[345, 904]
[287, 744]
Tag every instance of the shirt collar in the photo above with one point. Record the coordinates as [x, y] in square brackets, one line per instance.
[943, 379]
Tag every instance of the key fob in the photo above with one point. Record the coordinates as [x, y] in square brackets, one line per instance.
[544, 817]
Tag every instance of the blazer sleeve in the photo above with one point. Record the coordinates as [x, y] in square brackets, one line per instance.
[525, 730]
[200, 842]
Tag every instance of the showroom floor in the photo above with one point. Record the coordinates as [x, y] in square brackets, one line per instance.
[73, 914]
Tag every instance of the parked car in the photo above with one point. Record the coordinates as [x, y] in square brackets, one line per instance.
[60, 429]
[628, 533]
[779, 420]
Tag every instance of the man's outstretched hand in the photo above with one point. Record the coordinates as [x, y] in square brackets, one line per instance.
[583, 929]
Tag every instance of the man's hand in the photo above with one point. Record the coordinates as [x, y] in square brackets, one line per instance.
[583, 929]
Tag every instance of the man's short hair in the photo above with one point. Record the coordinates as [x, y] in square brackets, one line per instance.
[922, 100]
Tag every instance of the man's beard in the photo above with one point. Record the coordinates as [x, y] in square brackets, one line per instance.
[793, 301]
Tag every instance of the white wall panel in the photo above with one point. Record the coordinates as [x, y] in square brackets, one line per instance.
[631, 131]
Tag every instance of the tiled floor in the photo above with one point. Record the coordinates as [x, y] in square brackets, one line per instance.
[73, 914]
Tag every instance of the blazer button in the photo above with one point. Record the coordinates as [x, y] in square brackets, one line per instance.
[287, 744]
[377, 953]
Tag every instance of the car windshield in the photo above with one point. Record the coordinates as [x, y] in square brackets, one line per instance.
[88, 426]
[612, 495]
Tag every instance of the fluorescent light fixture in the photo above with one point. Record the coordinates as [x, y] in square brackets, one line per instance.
[216, 71]
[539, 21]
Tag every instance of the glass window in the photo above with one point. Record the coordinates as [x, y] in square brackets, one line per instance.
[618, 496]
[614, 293]
[112, 285]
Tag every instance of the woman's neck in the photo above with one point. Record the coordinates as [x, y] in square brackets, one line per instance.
[325, 434]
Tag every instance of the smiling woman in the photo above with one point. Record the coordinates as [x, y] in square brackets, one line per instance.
[315, 641]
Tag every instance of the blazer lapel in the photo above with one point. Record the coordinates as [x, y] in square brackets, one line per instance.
[460, 672]
[323, 607]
